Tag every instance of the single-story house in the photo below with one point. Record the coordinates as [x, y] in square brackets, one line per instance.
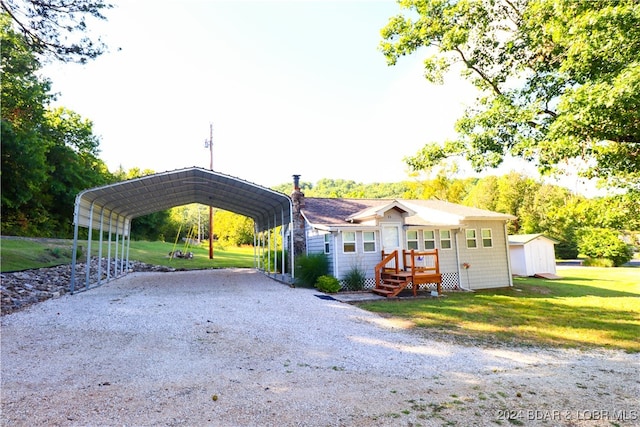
[354, 233]
[532, 254]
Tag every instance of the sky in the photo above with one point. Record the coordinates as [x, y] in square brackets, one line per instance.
[290, 87]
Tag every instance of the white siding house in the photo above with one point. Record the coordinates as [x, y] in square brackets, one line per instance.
[532, 254]
[472, 243]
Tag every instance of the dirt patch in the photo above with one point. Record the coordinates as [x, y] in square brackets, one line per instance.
[232, 347]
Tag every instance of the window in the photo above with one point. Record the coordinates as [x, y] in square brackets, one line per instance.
[348, 241]
[487, 240]
[369, 241]
[445, 239]
[429, 239]
[327, 243]
[471, 238]
[412, 239]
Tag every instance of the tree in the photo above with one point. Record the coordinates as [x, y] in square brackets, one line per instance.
[604, 243]
[23, 107]
[58, 27]
[558, 81]
[48, 155]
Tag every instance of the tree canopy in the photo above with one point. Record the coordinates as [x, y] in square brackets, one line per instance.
[48, 154]
[58, 28]
[558, 81]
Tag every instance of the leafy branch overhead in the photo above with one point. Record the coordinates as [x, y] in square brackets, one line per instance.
[558, 81]
[58, 28]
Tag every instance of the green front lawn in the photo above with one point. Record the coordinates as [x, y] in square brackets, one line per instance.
[589, 307]
[22, 254]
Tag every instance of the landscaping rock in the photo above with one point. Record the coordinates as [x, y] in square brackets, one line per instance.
[21, 289]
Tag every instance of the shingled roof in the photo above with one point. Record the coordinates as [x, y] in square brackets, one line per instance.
[328, 213]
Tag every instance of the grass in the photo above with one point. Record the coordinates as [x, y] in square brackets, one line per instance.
[23, 254]
[589, 307]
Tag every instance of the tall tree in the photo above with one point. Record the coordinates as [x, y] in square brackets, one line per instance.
[24, 98]
[48, 155]
[58, 28]
[559, 81]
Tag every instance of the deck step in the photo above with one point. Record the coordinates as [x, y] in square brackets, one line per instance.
[396, 282]
[381, 291]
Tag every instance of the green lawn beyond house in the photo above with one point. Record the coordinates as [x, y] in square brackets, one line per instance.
[24, 253]
[589, 307]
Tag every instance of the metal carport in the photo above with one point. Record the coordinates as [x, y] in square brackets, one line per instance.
[111, 208]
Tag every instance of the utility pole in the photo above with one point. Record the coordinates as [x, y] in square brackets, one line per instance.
[209, 144]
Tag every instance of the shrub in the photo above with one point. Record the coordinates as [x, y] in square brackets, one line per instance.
[354, 279]
[597, 262]
[604, 243]
[309, 267]
[267, 260]
[328, 284]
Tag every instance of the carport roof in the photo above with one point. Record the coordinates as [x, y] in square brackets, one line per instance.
[161, 191]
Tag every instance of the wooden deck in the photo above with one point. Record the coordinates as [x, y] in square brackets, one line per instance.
[420, 267]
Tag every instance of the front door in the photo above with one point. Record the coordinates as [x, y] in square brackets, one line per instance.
[392, 240]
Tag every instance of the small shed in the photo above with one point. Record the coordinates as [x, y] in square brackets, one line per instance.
[532, 254]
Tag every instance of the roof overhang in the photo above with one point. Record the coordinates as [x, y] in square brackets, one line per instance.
[379, 211]
[130, 199]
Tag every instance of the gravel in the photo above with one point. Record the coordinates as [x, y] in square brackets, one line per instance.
[235, 348]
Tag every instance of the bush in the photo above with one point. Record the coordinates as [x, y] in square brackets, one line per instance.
[354, 279]
[309, 267]
[267, 260]
[597, 262]
[604, 243]
[328, 284]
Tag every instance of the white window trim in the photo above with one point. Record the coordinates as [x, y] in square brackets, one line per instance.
[327, 243]
[417, 239]
[355, 242]
[425, 240]
[482, 230]
[450, 239]
[466, 238]
[375, 246]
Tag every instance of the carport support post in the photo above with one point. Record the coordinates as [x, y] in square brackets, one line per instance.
[100, 247]
[124, 236]
[275, 246]
[115, 258]
[269, 248]
[255, 248]
[282, 239]
[109, 246]
[74, 251]
[89, 236]
[128, 245]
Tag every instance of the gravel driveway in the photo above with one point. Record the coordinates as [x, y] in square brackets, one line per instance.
[235, 348]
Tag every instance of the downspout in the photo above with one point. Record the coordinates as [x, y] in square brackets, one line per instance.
[335, 253]
[455, 234]
[336, 267]
[506, 238]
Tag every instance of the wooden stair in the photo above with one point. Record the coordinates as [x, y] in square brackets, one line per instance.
[392, 283]
[391, 280]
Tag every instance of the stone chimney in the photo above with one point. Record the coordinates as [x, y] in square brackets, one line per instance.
[297, 197]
